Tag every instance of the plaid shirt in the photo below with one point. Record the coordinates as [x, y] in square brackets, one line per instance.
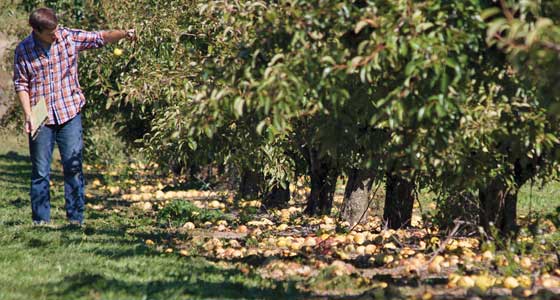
[54, 76]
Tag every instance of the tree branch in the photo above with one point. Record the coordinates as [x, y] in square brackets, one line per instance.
[507, 12]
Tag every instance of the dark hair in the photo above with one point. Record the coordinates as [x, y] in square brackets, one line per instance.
[43, 18]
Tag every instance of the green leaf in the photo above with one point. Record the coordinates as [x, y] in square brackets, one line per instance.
[238, 106]
[260, 126]
[424, 26]
[328, 59]
[490, 12]
[421, 112]
[494, 28]
[360, 26]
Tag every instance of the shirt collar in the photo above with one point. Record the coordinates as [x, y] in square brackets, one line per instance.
[37, 44]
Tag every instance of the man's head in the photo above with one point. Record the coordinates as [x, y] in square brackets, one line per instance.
[44, 23]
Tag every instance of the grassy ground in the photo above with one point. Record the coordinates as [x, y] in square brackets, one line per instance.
[102, 260]
[108, 258]
[538, 198]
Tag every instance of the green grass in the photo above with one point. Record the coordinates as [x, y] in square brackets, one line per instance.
[105, 260]
[539, 199]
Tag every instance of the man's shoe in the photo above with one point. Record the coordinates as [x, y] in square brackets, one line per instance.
[76, 223]
[46, 224]
[41, 223]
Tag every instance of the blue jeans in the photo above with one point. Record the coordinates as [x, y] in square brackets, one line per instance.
[68, 136]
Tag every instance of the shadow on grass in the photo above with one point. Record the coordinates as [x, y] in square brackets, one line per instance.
[19, 203]
[190, 279]
[14, 156]
[16, 171]
[182, 277]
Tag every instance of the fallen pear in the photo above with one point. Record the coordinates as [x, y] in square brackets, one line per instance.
[510, 283]
[434, 267]
[189, 226]
[488, 255]
[525, 262]
[282, 227]
[241, 229]
[484, 282]
[310, 242]
[359, 239]
[465, 282]
[525, 281]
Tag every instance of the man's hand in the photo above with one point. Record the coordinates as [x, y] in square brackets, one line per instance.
[131, 34]
[113, 36]
[28, 126]
[26, 105]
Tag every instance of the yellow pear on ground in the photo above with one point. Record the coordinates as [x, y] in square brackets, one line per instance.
[484, 282]
[310, 242]
[452, 280]
[550, 282]
[282, 227]
[359, 239]
[370, 249]
[427, 296]
[525, 262]
[525, 281]
[434, 267]
[295, 246]
[189, 226]
[465, 282]
[488, 255]
[282, 242]
[242, 229]
[510, 283]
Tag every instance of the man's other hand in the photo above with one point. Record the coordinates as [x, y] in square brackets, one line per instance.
[28, 126]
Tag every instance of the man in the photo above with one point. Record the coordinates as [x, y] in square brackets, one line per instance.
[46, 67]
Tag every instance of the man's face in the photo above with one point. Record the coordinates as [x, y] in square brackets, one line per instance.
[47, 36]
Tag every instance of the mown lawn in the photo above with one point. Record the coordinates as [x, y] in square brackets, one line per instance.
[104, 260]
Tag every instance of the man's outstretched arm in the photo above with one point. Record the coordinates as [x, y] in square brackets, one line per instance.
[85, 40]
[112, 36]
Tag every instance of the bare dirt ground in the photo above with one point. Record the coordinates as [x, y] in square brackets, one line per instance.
[6, 94]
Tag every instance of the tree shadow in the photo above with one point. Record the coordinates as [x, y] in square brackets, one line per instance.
[16, 171]
[145, 274]
[19, 202]
[14, 156]
[193, 280]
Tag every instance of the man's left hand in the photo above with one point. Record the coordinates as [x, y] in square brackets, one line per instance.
[131, 34]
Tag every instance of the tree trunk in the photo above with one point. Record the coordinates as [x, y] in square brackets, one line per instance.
[356, 196]
[498, 201]
[321, 196]
[277, 197]
[233, 180]
[323, 185]
[399, 199]
[498, 205]
[250, 185]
